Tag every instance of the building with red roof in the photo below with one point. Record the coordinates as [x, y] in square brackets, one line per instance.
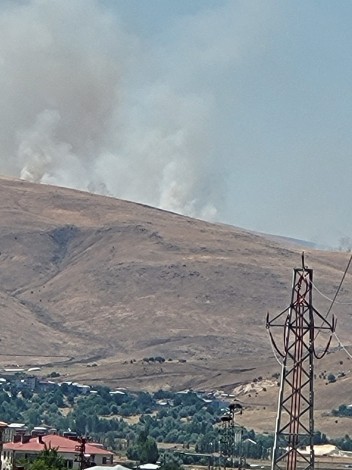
[28, 447]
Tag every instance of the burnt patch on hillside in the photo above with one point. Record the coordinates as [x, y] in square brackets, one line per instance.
[141, 233]
[62, 237]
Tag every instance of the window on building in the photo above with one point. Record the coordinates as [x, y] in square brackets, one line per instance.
[104, 460]
[69, 463]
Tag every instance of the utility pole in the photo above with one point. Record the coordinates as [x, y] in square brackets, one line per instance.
[294, 432]
[81, 453]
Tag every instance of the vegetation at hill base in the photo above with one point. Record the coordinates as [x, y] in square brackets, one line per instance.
[162, 417]
[135, 423]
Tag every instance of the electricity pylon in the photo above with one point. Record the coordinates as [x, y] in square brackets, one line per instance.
[294, 432]
[230, 435]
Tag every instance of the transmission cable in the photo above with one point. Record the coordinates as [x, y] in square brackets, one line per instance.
[329, 298]
[341, 345]
[336, 294]
[340, 285]
[274, 350]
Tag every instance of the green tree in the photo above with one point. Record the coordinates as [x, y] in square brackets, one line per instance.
[331, 378]
[110, 440]
[145, 450]
[48, 459]
[149, 451]
[171, 466]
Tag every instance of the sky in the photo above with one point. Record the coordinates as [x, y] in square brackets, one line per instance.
[225, 110]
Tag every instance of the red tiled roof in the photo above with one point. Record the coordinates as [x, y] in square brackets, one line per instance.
[63, 444]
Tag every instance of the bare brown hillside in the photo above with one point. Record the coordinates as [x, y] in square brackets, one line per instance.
[104, 281]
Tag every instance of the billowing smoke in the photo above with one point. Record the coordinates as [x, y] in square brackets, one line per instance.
[84, 104]
[188, 105]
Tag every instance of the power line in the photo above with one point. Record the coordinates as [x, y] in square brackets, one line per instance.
[339, 287]
[341, 345]
[273, 350]
[333, 301]
[329, 298]
[336, 294]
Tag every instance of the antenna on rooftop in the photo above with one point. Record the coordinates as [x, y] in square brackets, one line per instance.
[81, 457]
[294, 429]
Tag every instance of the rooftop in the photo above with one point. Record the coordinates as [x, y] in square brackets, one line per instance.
[62, 444]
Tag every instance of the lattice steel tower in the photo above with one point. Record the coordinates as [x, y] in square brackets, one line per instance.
[294, 432]
[230, 437]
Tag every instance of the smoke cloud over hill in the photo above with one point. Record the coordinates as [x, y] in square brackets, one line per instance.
[84, 104]
[209, 108]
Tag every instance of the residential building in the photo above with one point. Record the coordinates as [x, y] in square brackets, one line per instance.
[28, 447]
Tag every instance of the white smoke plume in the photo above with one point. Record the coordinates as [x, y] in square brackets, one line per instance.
[86, 104]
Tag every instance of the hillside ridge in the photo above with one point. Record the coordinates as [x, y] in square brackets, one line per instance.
[91, 279]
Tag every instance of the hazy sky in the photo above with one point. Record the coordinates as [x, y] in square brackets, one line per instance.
[234, 111]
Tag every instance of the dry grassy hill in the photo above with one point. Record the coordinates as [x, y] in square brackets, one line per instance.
[105, 281]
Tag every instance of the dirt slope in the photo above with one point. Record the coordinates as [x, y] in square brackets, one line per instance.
[101, 280]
